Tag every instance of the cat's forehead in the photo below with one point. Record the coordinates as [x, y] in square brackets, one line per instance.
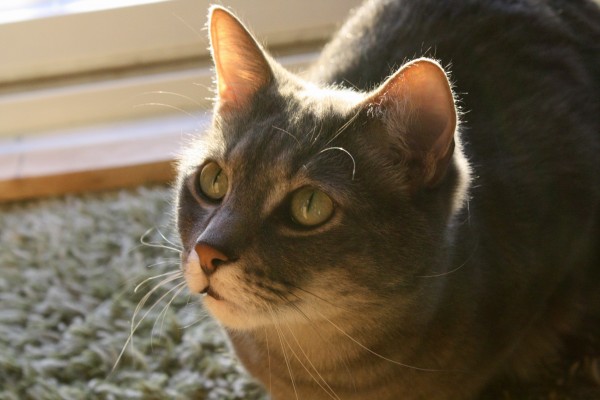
[288, 136]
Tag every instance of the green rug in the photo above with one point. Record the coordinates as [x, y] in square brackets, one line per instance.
[68, 269]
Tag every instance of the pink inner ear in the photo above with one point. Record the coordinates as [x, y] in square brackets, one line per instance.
[242, 67]
[419, 107]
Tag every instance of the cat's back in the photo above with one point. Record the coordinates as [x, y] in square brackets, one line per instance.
[465, 35]
[527, 78]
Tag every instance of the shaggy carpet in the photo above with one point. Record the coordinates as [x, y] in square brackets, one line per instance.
[68, 270]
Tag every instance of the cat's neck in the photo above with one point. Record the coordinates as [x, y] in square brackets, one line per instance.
[348, 357]
[326, 342]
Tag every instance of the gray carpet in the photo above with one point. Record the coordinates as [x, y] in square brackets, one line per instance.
[68, 269]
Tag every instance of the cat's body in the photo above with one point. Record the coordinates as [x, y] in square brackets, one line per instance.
[430, 279]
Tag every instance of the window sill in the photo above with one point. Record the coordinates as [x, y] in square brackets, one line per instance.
[94, 158]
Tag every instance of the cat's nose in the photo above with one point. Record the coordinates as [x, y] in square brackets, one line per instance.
[210, 258]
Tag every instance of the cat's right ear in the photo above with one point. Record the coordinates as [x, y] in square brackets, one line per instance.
[242, 67]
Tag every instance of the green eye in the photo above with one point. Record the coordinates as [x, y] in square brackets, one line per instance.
[213, 181]
[311, 207]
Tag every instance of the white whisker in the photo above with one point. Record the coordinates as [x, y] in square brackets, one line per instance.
[153, 104]
[157, 245]
[278, 328]
[287, 133]
[375, 353]
[190, 27]
[174, 261]
[144, 299]
[314, 328]
[345, 151]
[315, 138]
[141, 303]
[285, 357]
[195, 102]
[179, 288]
[269, 361]
[327, 389]
[155, 277]
[454, 269]
[343, 127]
[202, 318]
[175, 245]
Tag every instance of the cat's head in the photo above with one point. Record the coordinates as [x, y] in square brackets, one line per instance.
[307, 202]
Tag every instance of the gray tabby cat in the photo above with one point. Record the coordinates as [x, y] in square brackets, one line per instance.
[361, 243]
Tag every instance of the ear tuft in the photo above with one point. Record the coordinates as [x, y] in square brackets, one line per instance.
[418, 110]
[242, 67]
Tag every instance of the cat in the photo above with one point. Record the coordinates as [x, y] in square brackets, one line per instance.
[381, 229]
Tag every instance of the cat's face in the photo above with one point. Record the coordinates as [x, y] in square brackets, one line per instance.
[298, 203]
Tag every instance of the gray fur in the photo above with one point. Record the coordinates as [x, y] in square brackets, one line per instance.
[448, 292]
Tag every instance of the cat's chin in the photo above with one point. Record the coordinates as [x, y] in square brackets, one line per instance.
[233, 316]
[245, 313]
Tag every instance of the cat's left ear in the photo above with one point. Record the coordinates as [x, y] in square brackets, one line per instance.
[417, 107]
[242, 67]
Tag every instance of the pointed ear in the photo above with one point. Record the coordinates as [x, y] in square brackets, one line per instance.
[418, 109]
[242, 67]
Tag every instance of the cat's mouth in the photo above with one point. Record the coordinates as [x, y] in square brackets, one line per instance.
[209, 291]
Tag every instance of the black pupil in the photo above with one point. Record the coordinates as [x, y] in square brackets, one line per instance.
[310, 201]
[216, 178]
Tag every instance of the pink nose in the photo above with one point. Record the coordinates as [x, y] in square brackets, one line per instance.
[210, 258]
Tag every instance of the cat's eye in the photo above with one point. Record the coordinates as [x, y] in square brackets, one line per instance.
[213, 181]
[311, 207]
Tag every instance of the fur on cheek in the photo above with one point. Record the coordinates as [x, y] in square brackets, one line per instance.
[240, 307]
